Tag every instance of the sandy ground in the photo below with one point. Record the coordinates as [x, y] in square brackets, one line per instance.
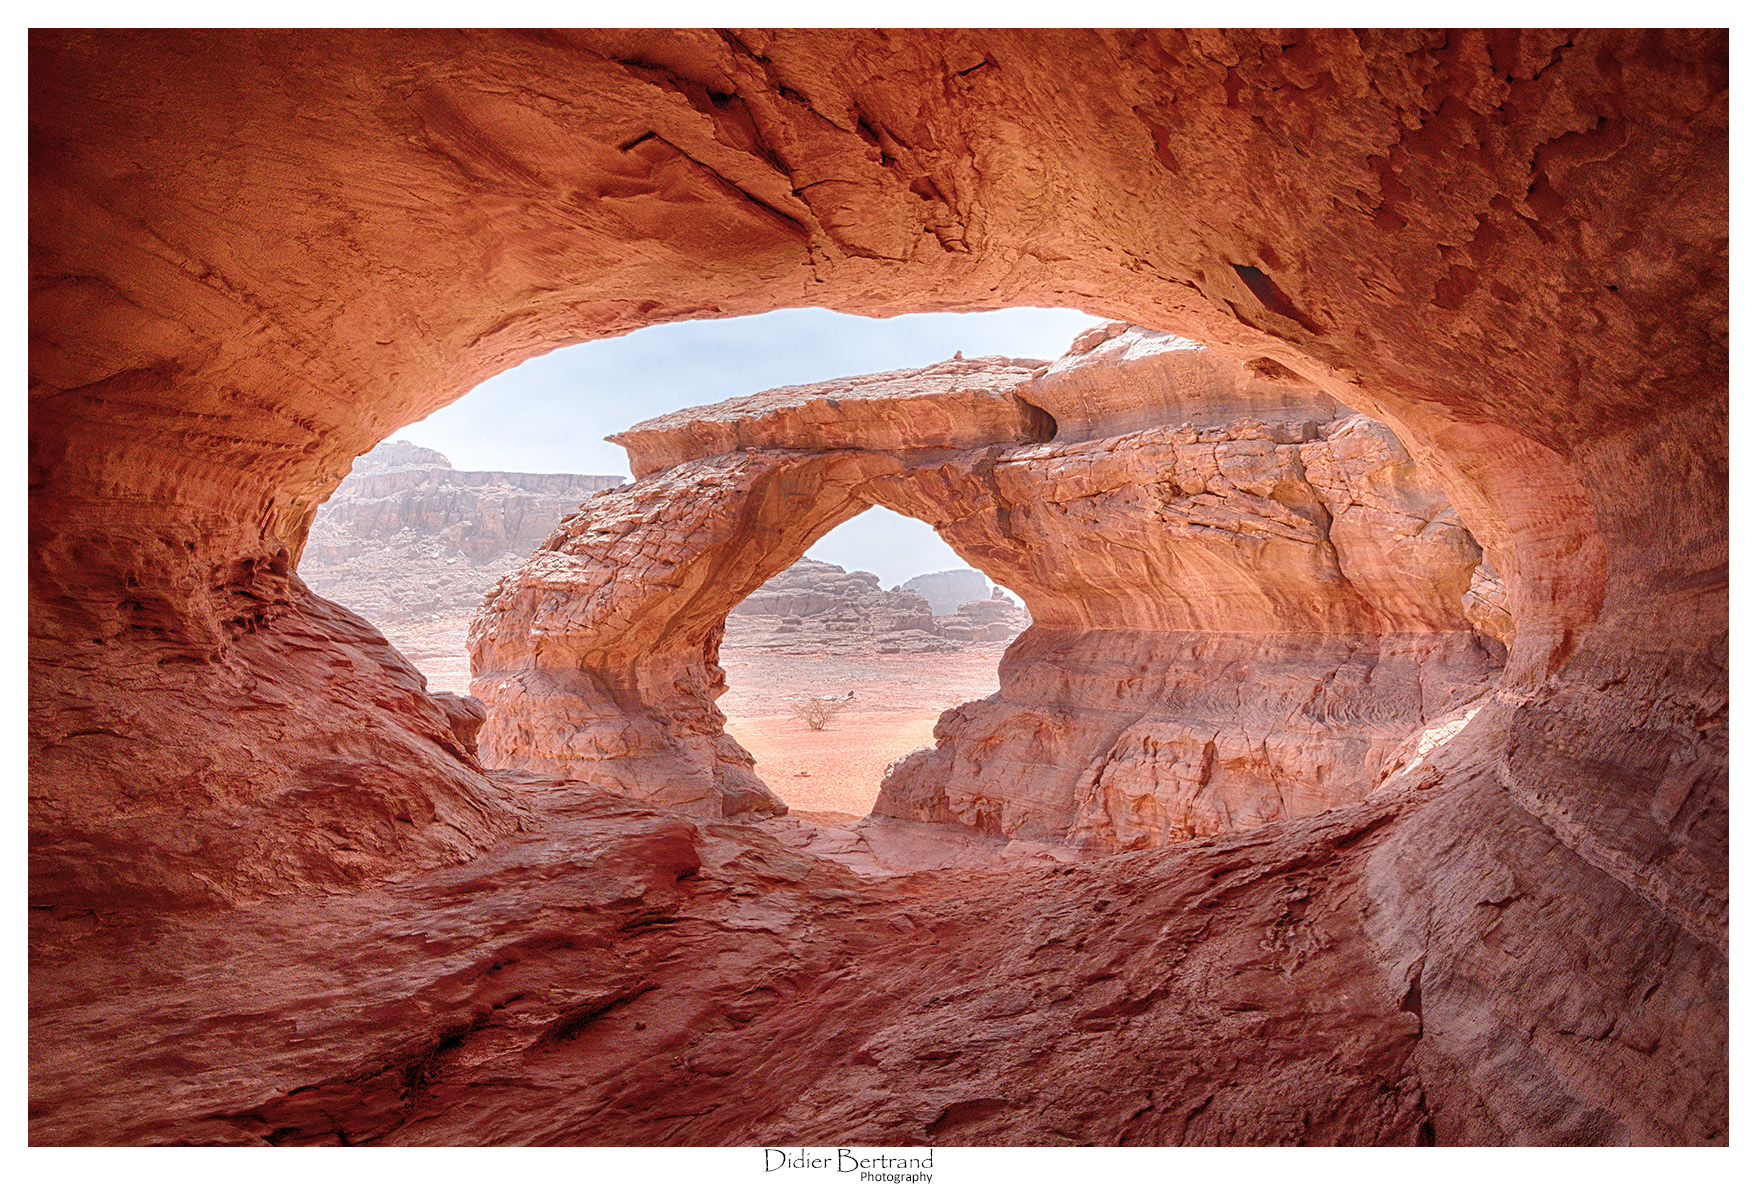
[837, 769]
[832, 775]
[897, 699]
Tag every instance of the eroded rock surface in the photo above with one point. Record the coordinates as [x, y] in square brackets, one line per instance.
[1233, 620]
[608, 975]
[816, 607]
[411, 543]
[995, 619]
[255, 254]
[956, 404]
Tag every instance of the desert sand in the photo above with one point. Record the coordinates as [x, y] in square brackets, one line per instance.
[833, 775]
[898, 698]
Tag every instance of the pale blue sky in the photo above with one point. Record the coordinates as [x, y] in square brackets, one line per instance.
[552, 413]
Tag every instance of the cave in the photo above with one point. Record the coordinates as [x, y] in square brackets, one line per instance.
[275, 897]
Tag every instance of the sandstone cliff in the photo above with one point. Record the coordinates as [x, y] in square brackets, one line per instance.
[411, 543]
[816, 607]
[404, 499]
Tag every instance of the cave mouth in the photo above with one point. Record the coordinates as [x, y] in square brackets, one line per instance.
[430, 519]
[841, 664]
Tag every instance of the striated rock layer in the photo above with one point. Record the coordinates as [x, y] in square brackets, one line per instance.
[412, 543]
[406, 500]
[1233, 620]
[255, 254]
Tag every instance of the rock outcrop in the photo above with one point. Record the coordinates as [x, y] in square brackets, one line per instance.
[995, 619]
[604, 978]
[411, 543]
[408, 500]
[817, 607]
[254, 254]
[1233, 620]
[599, 657]
[948, 590]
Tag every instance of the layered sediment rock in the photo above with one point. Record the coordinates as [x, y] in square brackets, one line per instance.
[994, 619]
[954, 405]
[1233, 620]
[254, 254]
[816, 607]
[604, 977]
[948, 590]
[411, 543]
[405, 499]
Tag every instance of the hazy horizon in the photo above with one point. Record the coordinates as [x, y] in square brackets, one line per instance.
[551, 414]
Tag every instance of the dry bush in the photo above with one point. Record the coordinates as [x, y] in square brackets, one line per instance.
[816, 710]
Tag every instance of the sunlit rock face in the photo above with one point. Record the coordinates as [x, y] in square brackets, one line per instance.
[256, 254]
[1234, 620]
[599, 657]
[1227, 629]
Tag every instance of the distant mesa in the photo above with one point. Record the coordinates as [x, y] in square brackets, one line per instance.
[411, 543]
[401, 455]
[947, 590]
[817, 607]
[405, 496]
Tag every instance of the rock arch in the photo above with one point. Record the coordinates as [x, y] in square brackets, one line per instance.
[1232, 579]
[1510, 246]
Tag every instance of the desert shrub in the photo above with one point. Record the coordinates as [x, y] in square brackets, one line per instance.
[817, 710]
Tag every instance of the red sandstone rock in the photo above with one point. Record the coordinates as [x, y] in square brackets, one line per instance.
[1235, 621]
[1486, 605]
[617, 975]
[255, 254]
[957, 404]
[1216, 641]
[599, 656]
[1120, 378]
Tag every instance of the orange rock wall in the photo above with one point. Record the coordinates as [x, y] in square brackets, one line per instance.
[255, 254]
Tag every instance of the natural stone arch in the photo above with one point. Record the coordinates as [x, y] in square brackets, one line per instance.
[1509, 245]
[599, 656]
[1231, 578]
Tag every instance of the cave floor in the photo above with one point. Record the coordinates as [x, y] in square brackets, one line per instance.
[614, 974]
